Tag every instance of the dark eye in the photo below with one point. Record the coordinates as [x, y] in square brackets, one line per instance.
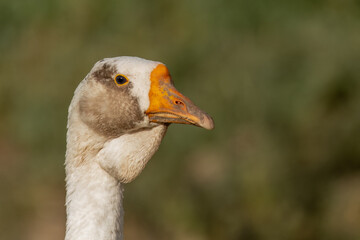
[120, 80]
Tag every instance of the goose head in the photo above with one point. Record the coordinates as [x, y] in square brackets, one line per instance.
[125, 94]
[123, 99]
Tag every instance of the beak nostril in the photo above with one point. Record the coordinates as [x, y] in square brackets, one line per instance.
[178, 102]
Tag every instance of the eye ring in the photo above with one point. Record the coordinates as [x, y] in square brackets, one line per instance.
[120, 80]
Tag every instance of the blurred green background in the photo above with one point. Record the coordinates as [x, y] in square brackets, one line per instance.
[280, 78]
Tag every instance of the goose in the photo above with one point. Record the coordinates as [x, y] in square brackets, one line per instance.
[117, 118]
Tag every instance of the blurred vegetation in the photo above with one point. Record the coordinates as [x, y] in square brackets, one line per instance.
[280, 78]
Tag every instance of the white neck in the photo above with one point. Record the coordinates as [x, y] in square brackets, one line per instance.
[96, 168]
[94, 205]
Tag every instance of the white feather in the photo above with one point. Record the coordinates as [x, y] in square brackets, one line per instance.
[96, 166]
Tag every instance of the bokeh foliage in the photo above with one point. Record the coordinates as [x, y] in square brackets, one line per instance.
[281, 79]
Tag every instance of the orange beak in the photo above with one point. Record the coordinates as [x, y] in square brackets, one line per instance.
[167, 105]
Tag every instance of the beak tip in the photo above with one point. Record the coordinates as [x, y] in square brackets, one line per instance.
[207, 123]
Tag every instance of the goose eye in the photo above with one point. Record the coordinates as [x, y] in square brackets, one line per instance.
[120, 80]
